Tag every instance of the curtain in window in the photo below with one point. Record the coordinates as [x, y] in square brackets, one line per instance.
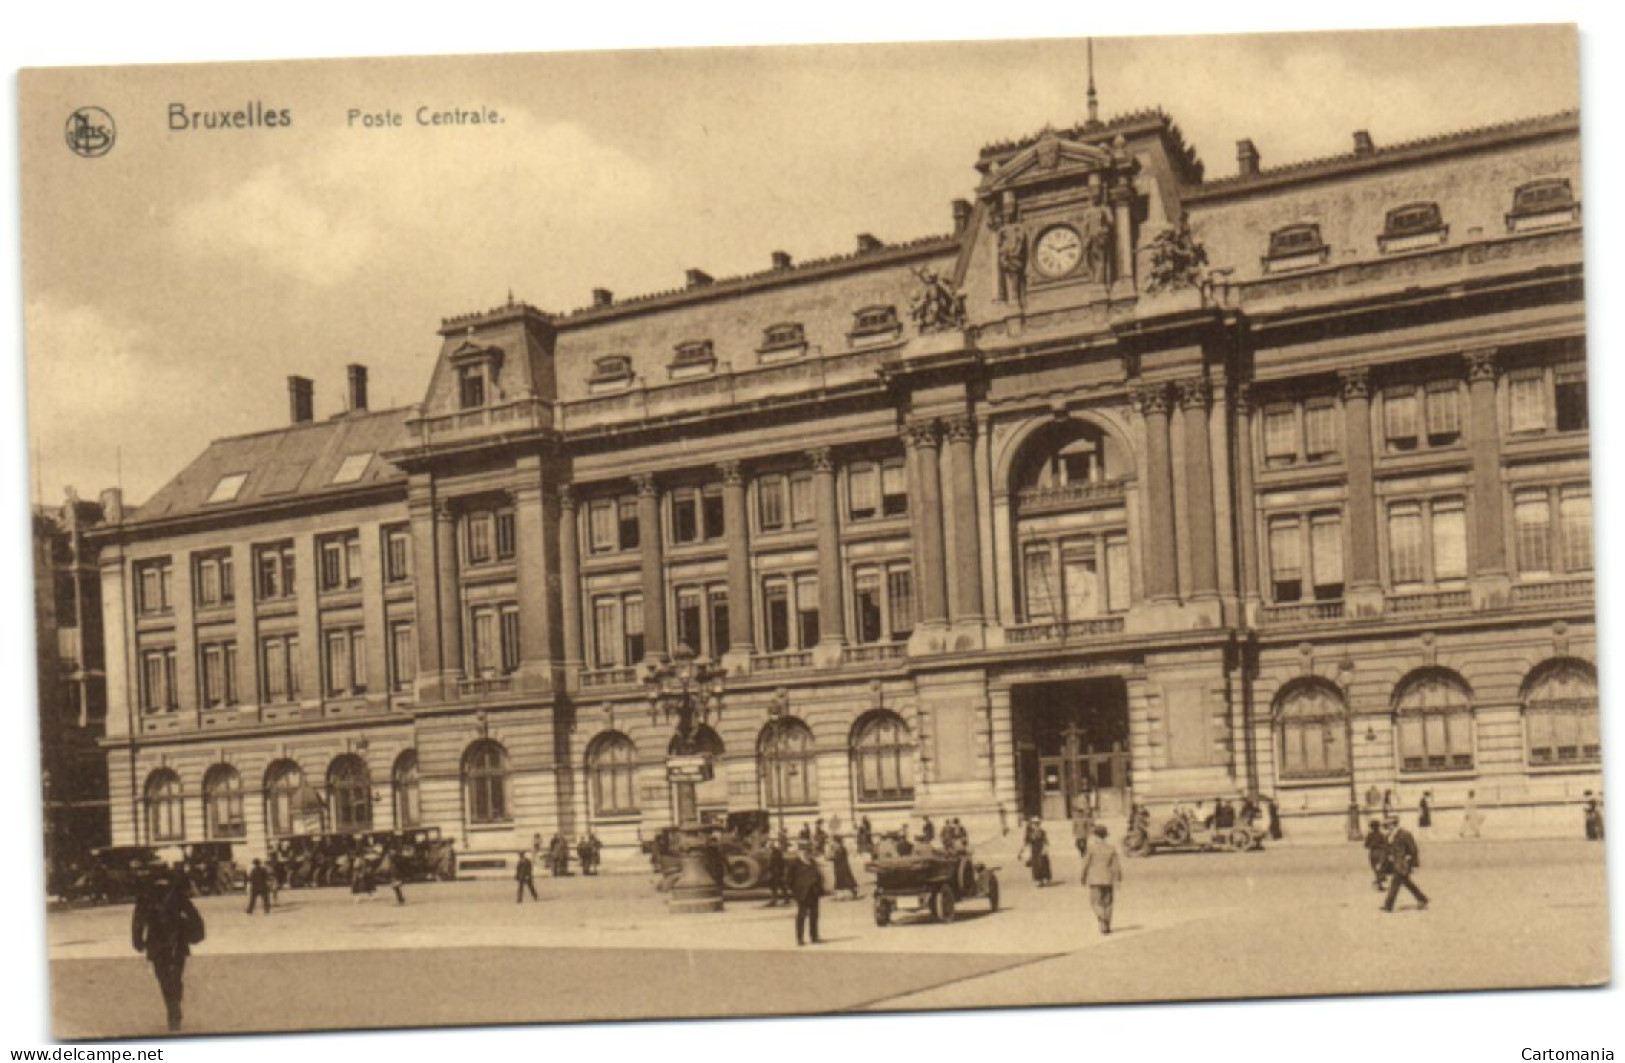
[612, 774]
[1434, 720]
[785, 764]
[349, 793]
[1313, 731]
[1561, 717]
[223, 802]
[1532, 518]
[1449, 539]
[485, 782]
[1574, 513]
[883, 759]
[166, 810]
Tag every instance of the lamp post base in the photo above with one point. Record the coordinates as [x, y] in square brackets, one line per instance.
[695, 891]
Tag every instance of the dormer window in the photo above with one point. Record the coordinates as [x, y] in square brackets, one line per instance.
[1543, 204]
[477, 370]
[612, 372]
[225, 490]
[695, 358]
[471, 387]
[352, 468]
[1295, 247]
[1413, 226]
[782, 342]
[875, 323]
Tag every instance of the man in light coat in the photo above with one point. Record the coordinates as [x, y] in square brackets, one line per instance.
[1102, 872]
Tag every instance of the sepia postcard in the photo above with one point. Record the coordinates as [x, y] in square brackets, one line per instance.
[707, 533]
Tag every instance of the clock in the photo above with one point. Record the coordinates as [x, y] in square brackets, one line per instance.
[1058, 251]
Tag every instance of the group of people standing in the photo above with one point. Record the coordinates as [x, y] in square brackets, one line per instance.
[1393, 855]
[588, 853]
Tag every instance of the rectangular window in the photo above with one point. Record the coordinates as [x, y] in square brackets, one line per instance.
[601, 527]
[1320, 430]
[802, 511]
[713, 515]
[229, 663]
[1526, 401]
[1080, 581]
[1286, 559]
[484, 650]
[1326, 555]
[397, 555]
[403, 656]
[158, 680]
[867, 606]
[1280, 436]
[213, 667]
[689, 618]
[863, 492]
[900, 601]
[1532, 519]
[627, 523]
[505, 534]
[1038, 579]
[213, 581]
[1399, 419]
[1117, 577]
[1443, 412]
[341, 562]
[471, 387]
[721, 636]
[776, 615]
[606, 627]
[632, 618]
[510, 639]
[685, 516]
[1449, 539]
[1405, 543]
[338, 663]
[770, 502]
[478, 531]
[1572, 412]
[893, 489]
[1574, 516]
[274, 571]
[152, 587]
[274, 668]
[807, 611]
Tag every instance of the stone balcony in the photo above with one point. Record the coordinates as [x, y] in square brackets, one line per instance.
[1030, 500]
[519, 416]
[1063, 630]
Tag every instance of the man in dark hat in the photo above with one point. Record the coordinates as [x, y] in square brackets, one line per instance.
[259, 887]
[1403, 858]
[806, 886]
[524, 873]
[165, 926]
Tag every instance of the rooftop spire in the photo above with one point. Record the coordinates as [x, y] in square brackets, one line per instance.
[1094, 102]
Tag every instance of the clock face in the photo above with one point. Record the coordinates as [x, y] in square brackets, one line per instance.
[1058, 251]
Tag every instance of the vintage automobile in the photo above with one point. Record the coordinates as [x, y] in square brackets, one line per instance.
[933, 881]
[743, 838]
[302, 860]
[211, 869]
[116, 873]
[421, 854]
[1182, 830]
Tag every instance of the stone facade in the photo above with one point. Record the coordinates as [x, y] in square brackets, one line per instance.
[1276, 484]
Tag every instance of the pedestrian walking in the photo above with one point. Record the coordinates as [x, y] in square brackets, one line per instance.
[806, 886]
[1403, 859]
[1424, 810]
[596, 849]
[777, 874]
[525, 875]
[844, 878]
[259, 886]
[165, 926]
[389, 872]
[1472, 820]
[1102, 874]
[1376, 854]
[1275, 819]
[866, 837]
[1036, 842]
[1593, 817]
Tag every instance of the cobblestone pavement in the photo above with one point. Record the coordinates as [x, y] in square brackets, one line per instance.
[1203, 926]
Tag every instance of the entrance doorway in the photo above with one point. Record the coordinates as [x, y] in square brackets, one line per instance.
[1071, 742]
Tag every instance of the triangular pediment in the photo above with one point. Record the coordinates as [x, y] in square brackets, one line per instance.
[1049, 155]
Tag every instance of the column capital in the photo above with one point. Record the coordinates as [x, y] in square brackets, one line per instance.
[1149, 398]
[567, 496]
[644, 483]
[1481, 365]
[1194, 393]
[444, 511]
[1354, 383]
[921, 433]
[732, 473]
[961, 428]
[822, 459]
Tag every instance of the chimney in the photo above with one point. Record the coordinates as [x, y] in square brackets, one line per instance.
[357, 375]
[961, 215]
[781, 260]
[602, 297]
[1246, 158]
[113, 504]
[698, 278]
[301, 408]
[1362, 143]
[867, 243]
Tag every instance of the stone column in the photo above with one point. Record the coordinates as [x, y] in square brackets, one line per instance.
[959, 490]
[1489, 534]
[925, 497]
[831, 603]
[654, 567]
[450, 595]
[1161, 563]
[1193, 400]
[425, 589]
[1122, 199]
[1246, 503]
[535, 556]
[741, 636]
[570, 578]
[1365, 589]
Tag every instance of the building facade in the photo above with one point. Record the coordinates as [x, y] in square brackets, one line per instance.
[1135, 486]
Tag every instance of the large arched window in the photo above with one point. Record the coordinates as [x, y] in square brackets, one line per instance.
[166, 809]
[883, 758]
[784, 760]
[1311, 728]
[485, 782]
[349, 793]
[612, 762]
[404, 782]
[712, 795]
[282, 782]
[1560, 714]
[1433, 714]
[223, 803]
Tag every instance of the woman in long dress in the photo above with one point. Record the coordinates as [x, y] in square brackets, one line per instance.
[844, 879]
[1037, 844]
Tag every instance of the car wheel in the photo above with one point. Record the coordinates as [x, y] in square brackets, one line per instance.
[741, 873]
[1175, 832]
[1241, 839]
[992, 893]
[944, 901]
[882, 912]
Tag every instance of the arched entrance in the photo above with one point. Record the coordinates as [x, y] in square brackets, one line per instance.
[1071, 745]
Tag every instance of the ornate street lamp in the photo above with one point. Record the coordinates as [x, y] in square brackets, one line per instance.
[688, 689]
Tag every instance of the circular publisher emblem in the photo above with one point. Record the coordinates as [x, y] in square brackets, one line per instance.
[90, 132]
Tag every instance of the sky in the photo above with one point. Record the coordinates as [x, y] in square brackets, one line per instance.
[172, 285]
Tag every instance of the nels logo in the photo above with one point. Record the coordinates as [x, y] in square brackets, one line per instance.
[90, 132]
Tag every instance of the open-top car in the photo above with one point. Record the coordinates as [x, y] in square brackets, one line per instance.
[1183, 829]
[117, 873]
[931, 881]
[211, 868]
